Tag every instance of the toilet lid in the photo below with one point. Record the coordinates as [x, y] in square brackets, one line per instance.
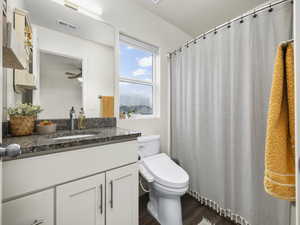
[165, 171]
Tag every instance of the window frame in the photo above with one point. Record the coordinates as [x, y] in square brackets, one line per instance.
[141, 45]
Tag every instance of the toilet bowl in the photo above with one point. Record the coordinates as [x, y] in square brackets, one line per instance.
[167, 181]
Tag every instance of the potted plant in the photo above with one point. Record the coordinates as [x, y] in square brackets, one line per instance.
[22, 119]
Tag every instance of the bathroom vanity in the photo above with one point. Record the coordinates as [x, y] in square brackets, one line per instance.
[89, 180]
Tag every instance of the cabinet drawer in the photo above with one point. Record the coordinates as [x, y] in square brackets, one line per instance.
[22, 176]
[27, 210]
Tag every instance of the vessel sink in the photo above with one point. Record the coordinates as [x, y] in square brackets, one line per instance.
[74, 137]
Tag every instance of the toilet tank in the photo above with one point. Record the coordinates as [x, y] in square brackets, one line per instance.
[148, 145]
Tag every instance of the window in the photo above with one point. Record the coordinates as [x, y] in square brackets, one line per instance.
[137, 78]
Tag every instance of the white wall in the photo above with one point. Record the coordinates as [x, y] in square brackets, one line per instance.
[297, 88]
[54, 85]
[141, 24]
[97, 64]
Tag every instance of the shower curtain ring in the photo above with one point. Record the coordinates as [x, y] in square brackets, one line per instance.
[242, 19]
[270, 8]
[216, 31]
[204, 37]
[229, 25]
[254, 14]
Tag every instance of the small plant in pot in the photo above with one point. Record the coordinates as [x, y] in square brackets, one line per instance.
[22, 119]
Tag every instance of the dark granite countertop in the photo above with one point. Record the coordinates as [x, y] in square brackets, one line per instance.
[36, 145]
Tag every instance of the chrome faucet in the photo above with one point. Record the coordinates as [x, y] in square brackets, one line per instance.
[72, 118]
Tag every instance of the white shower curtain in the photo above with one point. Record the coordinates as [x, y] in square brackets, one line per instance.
[220, 89]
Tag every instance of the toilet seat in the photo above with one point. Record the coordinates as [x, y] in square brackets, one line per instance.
[165, 171]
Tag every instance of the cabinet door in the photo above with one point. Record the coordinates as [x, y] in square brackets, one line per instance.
[19, 24]
[81, 202]
[122, 196]
[30, 210]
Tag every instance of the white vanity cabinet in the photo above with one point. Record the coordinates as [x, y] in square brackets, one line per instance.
[35, 209]
[89, 186]
[81, 202]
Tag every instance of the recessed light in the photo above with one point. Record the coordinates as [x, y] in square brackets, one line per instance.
[66, 24]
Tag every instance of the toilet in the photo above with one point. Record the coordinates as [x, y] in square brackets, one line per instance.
[167, 181]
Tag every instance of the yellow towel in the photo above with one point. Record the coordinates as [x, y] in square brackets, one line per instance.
[279, 178]
[107, 106]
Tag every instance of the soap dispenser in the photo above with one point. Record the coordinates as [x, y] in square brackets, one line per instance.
[81, 120]
[72, 118]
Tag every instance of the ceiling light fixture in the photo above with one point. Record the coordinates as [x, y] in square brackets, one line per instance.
[91, 12]
[155, 1]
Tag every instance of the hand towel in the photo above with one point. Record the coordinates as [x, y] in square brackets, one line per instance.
[279, 180]
[107, 105]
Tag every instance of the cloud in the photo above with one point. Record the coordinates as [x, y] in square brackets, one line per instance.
[139, 72]
[145, 62]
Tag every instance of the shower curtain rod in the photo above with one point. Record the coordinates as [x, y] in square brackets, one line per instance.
[228, 24]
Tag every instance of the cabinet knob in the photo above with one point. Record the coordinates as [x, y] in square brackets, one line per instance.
[38, 222]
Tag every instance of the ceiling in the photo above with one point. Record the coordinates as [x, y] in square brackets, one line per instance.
[198, 16]
[41, 13]
[72, 63]
[192, 16]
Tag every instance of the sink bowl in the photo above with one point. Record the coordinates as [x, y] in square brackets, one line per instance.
[74, 137]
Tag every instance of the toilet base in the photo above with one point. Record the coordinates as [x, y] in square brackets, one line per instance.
[165, 209]
[152, 211]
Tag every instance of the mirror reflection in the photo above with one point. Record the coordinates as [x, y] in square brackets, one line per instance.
[68, 59]
[59, 75]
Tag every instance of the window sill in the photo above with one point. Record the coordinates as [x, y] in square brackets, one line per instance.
[140, 118]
